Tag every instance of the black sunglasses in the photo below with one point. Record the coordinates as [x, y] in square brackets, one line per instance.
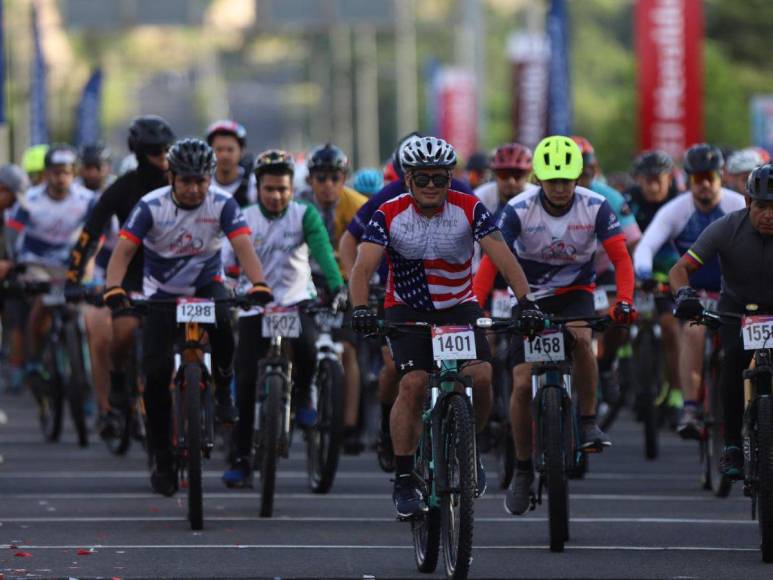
[323, 177]
[423, 179]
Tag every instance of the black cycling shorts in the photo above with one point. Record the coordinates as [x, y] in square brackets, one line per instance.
[412, 350]
[576, 303]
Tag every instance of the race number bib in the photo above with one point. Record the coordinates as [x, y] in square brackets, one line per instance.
[195, 310]
[600, 299]
[757, 332]
[329, 319]
[281, 321]
[501, 304]
[546, 347]
[453, 343]
[644, 302]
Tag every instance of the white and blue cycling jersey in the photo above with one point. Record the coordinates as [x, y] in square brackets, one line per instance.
[49, 227]
[557, 252]
[679, 223]
[182, 246]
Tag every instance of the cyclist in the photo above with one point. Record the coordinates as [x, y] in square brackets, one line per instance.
[328, 167]
[555, 231]
[94, 167]
[476, 171]
[181, 227]
[347, 248]
[149, 140]
[654, 187]
[429, 235]
[680, 222]
[590, 178]
[739, 165]
[284, 233]
[33, 162]
[741, 240]
[511, 165]
[228, 139]
[48, 224]
[368, 181]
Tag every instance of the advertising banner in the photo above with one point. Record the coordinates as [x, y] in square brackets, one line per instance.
[529, 57]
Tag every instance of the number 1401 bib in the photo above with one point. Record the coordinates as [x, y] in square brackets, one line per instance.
[453, 343]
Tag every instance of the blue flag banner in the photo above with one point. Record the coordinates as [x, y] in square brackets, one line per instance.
[2, 63]
[560, 91]
[88, 125]
[38, 99]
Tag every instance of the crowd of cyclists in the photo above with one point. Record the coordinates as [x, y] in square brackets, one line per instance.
[546, 229]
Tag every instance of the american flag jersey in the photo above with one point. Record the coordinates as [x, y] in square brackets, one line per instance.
[429, 258]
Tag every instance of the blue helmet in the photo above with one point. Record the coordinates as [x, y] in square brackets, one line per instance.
[368, 181]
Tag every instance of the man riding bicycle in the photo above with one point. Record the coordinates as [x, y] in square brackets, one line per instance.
[555, 231]
[680, 222]
[429, 236]
[181, 227]
[285, 233]
[743, 242]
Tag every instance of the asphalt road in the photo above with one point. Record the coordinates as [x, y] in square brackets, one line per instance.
[81, 513]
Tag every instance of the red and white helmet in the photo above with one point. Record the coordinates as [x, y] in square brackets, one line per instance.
[511, 156]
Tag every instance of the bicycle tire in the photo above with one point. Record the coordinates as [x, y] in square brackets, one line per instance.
[324, 440]
[49, 395]
[554, 438]
[131, 428]
[457, 510]
[426, 528]
[716, 481]
[271, 417]
[192, 381]
[613, 411]
[648, 387]
[77, 383]
[764, 436]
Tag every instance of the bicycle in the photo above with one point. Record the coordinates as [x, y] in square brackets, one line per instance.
[446, 457]
[757, 334]
[192, 421]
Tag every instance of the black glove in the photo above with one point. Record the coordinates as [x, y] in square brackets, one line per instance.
[260, 294]
[624, 313]
[340, 300]
[115, 299]
[529, 319]
[688, 305]
[364, 320]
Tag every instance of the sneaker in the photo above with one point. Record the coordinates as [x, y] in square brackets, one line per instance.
[408, 499]
[110, 425]
[731, 462]
[481, 476]
[689, 425]
[306, 417]
[593, 437]
[239, 475]
[352, 443]
[163, 479]
[226, 412]
[518, 498]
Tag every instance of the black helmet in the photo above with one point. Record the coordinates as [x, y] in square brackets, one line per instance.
[396, 153]
[328, 158]
[703, 157]
[191, 157]
[231, 128]
[274, 161]
[94, 154]
[759, 185]
[149, 132]
[60, 154]
[653, 163]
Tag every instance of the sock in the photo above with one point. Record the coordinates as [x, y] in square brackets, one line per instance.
[588, 418]
[527, 465]
[403, 465]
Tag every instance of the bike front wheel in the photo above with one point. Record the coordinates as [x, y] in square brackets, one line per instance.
[192, 384]
[324, 439]
[554, 438]
[270, 437]
[457, 509]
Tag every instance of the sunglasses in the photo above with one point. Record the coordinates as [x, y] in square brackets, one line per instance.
[701, 176]
[323, 177]
[508, 173]
[423, 179]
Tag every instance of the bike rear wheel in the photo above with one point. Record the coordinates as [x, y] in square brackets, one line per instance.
[49, 395]
[457, 509]
[715, 480]
[426, 528]
[77, 383]
[270, 432]
[765, 475]
[324, 439]
[554, 437]
[193, 440]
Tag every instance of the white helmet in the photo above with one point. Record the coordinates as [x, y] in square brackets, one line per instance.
[427, 152]
[743, 161]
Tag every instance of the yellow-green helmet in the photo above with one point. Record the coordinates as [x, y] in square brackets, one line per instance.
[34, 159]
[557, 157]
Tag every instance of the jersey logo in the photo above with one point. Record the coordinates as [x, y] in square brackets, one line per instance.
[185, 243]
[559, 250]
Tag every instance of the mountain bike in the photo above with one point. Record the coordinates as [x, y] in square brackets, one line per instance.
[446, 457]
[757, 334]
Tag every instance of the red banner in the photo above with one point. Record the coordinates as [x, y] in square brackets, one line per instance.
[529, 113]
[669, 49]
[457, 111]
